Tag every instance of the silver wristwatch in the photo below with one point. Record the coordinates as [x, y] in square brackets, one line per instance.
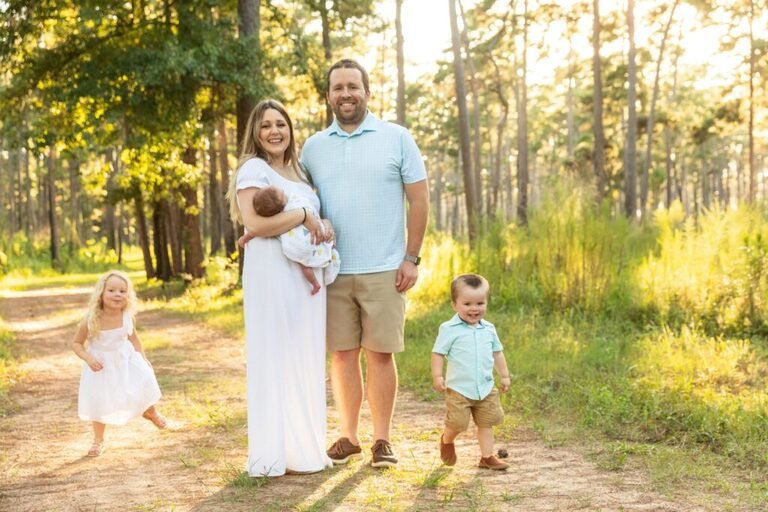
[413, 259]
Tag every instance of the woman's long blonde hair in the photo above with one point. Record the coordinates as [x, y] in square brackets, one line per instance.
[252, 148]
[96, 303]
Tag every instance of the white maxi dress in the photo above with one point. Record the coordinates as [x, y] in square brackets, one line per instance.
[285, 348]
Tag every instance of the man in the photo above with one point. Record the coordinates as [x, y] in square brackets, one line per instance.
[363, 168]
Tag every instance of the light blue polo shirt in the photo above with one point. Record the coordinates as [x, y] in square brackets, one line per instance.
[469, 351]
[359, 177]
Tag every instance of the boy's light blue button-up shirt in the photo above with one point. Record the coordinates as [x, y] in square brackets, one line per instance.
[360, 179]
[469, 351]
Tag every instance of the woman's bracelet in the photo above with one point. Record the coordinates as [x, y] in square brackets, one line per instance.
[305, 215]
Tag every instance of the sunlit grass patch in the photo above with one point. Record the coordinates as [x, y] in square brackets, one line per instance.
[714, 269]
[433, 477]
[704, 389]
[8, 367]
[215, 404]
[152, 341]
[613, 456]
[217, 300]
[720, 372]
[236, 477]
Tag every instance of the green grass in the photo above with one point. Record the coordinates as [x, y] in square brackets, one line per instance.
[8, 367]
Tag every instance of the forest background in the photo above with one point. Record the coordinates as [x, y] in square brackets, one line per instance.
[604, 164]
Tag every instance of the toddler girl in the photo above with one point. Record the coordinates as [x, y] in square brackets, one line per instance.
[117, 382]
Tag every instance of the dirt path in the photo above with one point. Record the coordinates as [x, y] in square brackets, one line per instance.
[196, 466]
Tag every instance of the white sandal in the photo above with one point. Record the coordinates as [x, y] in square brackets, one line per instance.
[157, 419]
[97, 448]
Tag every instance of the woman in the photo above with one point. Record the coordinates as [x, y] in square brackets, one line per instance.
[284, 322]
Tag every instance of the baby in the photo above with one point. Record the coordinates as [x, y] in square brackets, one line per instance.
[296, 243]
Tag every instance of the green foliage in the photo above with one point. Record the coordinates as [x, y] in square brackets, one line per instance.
[714, 271]
[26, 257]
[8, 368]
[572, 255]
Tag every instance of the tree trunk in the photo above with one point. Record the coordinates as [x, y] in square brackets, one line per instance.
[630, 149]
[108, 223]
[522, 129]
[668, 164]
[326, 28]
[119, 232]
[501, 128]
[214, 194]
[248, 25]
[143, 235]
[437, 195]
[571, 108]
[400, 63]
[751, 124]
[651, 113]
[461, 100]
[475, 121]
[13, 202]
[160, 240]
[76, 230]
[52, 217]
[29, 209]
[191, 240]
[173, 224]
[597, 108]
[228, 226]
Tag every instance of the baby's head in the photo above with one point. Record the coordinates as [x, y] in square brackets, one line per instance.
[269, 201]
[469, 297]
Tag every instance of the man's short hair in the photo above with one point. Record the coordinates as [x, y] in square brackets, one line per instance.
[348, 64]
[474, 281]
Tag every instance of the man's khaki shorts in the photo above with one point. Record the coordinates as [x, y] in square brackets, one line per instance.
[486, 412]
[365, 310]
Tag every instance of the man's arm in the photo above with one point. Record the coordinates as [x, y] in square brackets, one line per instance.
[417, 195]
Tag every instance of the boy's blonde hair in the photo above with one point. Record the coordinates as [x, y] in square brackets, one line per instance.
[96, 304]
[474, 281]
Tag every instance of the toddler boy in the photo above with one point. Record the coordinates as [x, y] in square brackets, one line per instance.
[473, 350]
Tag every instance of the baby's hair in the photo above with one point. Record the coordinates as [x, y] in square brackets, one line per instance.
[96, 305]
[472, 280]
[267, 202]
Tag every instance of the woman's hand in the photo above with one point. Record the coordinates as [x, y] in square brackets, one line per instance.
[329, 235]
[314, 227]
[320, 230]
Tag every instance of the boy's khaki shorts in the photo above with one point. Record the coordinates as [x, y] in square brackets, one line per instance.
[486, 412]
[365, 310]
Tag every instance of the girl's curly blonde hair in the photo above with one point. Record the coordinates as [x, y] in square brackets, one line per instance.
[96, 304]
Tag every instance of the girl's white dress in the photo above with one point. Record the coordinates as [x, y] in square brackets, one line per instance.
[124, 388]
[285, 348]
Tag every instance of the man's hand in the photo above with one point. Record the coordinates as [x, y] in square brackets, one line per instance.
[407, 275]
